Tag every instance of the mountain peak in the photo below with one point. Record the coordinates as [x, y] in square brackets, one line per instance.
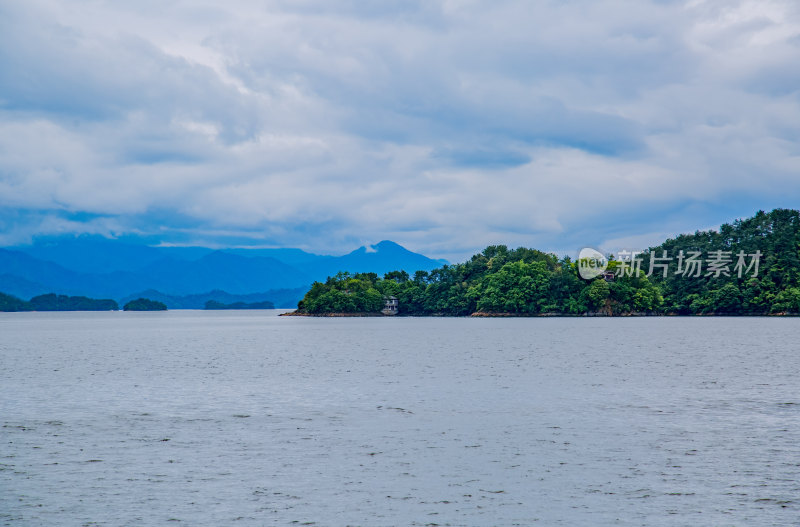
[108, 268]
[387, 245]
[384, 247]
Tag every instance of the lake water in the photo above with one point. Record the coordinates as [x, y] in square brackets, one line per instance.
[247, 418]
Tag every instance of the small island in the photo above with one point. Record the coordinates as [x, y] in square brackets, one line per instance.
[144, 304]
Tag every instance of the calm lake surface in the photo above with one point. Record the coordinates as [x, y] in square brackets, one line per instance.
[247, 418]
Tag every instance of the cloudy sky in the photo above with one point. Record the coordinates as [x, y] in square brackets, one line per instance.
[442, 125]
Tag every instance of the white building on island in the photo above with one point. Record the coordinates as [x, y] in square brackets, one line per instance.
[390, 305]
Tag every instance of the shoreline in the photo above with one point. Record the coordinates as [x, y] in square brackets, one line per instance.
[333, 315]
[482, 314]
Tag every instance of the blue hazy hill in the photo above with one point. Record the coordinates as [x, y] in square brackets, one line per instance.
[220, 270]
[104, 268]
[17, 268]
[287, 256]
[216, 270]
[92, 254]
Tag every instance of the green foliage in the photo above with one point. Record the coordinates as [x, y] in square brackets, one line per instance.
[12, 303]
[397, 276]
[346, 293]
[787, 301]
[518, 287]
[144, 304]
[528, 282]
[498, 280]
[726, 299]
[597, 294]
[53, 302]
[776, 235]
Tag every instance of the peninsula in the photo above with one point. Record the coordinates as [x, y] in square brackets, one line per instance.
[749, 267]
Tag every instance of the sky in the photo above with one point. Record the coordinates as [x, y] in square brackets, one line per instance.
[445, 126]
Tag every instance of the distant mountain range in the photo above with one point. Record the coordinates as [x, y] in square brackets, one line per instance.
[185, 277]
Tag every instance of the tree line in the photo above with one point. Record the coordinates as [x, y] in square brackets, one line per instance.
[53, 302]
[525, 281]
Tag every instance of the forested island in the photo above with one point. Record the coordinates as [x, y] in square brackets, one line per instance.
[53, 302]
[749, 267]
[144, 304]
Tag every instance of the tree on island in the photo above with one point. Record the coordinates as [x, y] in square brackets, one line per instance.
[144, 304]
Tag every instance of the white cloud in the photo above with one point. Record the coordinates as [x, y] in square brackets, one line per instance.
[445, 125]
